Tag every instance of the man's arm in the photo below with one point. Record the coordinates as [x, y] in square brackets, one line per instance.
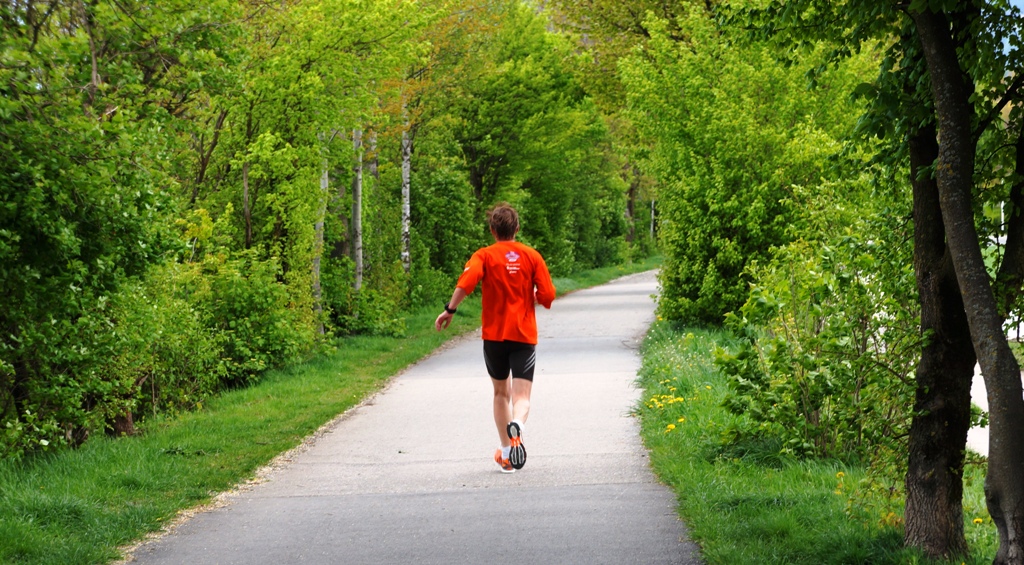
[545, 287]
[446, 317]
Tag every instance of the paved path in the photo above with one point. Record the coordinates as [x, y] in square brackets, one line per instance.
[977, 438]
[408, 477]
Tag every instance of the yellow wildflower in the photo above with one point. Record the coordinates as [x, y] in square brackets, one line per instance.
[669, 428]
[978, 521]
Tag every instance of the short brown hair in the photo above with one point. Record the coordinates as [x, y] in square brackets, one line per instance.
[504, 220]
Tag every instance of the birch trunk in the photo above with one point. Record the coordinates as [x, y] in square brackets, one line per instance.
[357, 208]
[406, 181]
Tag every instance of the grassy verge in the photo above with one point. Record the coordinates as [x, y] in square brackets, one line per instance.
[77, 507]
[748, 505]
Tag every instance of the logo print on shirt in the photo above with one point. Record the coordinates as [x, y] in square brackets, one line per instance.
[512, 267]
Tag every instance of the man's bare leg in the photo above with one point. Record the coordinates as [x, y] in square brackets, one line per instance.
[503, 408]
[521, 389]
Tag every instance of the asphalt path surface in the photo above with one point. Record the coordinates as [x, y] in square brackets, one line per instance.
[408, 476]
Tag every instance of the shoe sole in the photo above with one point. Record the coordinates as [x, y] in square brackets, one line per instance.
[497, 459]
[517, 455]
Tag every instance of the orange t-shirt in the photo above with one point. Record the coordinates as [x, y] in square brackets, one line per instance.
[511, 271]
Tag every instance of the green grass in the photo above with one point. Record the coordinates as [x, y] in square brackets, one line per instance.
[80, 506]
[746, 504]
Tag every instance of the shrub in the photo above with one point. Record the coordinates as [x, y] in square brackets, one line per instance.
[827, 351]
[368, 311]
[167, 357]
[248, 307]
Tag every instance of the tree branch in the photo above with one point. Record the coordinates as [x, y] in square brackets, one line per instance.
[1011, 271]
[1008, 96]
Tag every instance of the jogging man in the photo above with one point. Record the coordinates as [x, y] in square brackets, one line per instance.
[514, 277]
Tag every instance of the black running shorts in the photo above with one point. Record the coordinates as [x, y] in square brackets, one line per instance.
[502, 357]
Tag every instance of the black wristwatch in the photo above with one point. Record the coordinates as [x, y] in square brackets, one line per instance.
[450, 310]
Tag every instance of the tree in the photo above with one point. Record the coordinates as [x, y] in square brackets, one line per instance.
[952, 88]
[406, 194]
[728, 130]
[88, 92]
[525, 130]
[357, 207]
[953, 62]
[608, 31]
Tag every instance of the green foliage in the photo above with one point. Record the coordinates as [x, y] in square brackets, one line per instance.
[241, 297]
[529, 135]
[744, 502]
[367, 311]
[827, 353]
[161, 205]
[446, 227]
[168, 358]
[375, 314]
[83, 123]
[829, 340]
[444, 232]
[244, 301]
[73, 226]
[27, 434]
[738, 141]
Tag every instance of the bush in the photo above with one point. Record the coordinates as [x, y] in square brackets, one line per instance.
[168, 358]
[430, 287]
[74, 225]
[60, 395]
[27, 434]
[368, 311]
[243, 301]
[827, 352]
[738, 145]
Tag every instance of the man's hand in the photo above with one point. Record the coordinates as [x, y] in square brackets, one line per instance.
[442, 321]
[445, 318]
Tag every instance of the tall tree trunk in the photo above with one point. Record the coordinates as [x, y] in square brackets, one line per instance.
[1004, 489]
[341, 246]
[246, 210]
[318, 247]
[205, 154]
[942, 406]
[373, 163]
[406, 181]
[631, 194]
[357, 208]
[653, 211]
[1011, 270]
